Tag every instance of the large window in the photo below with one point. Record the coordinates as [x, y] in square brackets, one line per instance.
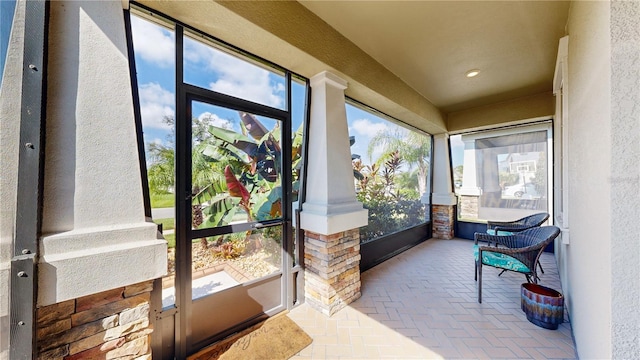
[154, 46]
[226, 144]
[391, 165]
[502, 174]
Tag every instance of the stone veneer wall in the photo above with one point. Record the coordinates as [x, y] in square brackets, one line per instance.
[113, 324]
[469, 206]
[443, 221]
[332, 274]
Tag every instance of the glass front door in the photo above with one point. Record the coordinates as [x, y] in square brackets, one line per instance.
[232, 222]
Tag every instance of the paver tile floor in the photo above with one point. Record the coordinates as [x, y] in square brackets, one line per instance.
[422, 304]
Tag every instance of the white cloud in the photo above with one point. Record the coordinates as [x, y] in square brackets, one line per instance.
[235, 77]
[153, 43]
[279, 87]
[367, 128]
[155, 104]
[157, 141]
[215, 120]
[364, 130]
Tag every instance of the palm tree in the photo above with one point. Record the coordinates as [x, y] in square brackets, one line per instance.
[413, 147]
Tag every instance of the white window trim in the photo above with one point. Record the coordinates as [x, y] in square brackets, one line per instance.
[560, 89]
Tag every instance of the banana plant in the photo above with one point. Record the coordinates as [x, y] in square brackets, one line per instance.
[255, 155]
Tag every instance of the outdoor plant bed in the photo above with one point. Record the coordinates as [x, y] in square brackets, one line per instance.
[256, 264]
[542, 305]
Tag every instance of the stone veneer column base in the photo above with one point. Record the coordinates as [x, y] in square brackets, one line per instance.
[332, 274]
[443, 224]
[469, 206]
[107, 325]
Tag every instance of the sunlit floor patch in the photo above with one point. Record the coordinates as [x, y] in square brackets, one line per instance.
[203, 286]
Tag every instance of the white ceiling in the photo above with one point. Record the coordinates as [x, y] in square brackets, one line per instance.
[430, 45]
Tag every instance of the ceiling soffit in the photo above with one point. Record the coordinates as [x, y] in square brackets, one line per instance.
[432, 44]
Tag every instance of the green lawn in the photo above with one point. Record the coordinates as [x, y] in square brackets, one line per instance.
[171, 240]
[162, 200]
[167, 224]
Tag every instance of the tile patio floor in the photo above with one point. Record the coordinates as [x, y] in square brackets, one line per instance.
[422, 304]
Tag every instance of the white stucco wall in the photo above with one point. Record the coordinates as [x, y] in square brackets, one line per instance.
[588, 285]
[625, 179]
[95, 236]
[599, 266]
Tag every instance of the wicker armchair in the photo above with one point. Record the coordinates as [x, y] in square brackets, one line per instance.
[508, 227]
[520, 252]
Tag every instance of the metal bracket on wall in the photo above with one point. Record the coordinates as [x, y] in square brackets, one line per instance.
[23, 319]
[24, 279]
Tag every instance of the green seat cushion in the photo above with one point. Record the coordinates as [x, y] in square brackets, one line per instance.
[500, 232]
[500, 260]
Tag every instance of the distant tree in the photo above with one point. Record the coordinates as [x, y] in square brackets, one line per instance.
[161, 168]
[507, 178]
[458, 171]
[407, 183]
[540, 178]
[414, 148]
[457, 175]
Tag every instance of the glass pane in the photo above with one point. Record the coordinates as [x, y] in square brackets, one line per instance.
[499, 175]
[391, 167]
[298, 111]
[210, 68]
[224, 261]
[236, 167]
[154, 48]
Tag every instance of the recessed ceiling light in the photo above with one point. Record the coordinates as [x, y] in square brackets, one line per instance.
[472, 73]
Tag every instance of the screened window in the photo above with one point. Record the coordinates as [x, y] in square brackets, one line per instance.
[391, 165]
[502, 174]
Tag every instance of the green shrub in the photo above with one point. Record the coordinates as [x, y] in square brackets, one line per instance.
[392, 207]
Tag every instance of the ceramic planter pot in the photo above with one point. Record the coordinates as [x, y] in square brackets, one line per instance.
[542, 305]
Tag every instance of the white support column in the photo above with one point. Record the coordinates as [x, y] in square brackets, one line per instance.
[443, 199]
[331, 214]
[469, 193]
[331, 205]
[95, 236]
[469, 171]
[442, 185]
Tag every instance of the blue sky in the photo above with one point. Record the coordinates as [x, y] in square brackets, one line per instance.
[7, 9]
[210, 68]
[215, 70]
